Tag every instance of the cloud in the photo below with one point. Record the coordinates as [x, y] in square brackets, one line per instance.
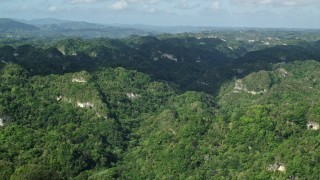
[144, 1]
[52, 8]
[276, 3]
[215, 5]
[119, 5]
[149, 9]
[185, 5]
[81, 1]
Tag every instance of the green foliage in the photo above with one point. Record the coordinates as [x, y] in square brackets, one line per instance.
[34, 172]
[73, 110]
[6, 169]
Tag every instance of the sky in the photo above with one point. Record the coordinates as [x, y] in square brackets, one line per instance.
[216, 13]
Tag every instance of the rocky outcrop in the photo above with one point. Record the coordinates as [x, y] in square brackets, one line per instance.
[280, 167]
[283, 72]
[239, 86]
[313, 126]
[1, 121]
[170, 57]
[79, 80]
[85, 104]
[132, 96]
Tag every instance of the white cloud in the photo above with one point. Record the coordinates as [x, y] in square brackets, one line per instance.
[185, 5]
[144, 1]
[119, 5]
[215, 5]
[52, 8]
[149, 9]
[277, 3]
[82, 1]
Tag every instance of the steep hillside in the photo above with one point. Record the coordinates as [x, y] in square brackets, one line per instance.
[72, 109]
[117, 123]
[265, 126]
[68, 125]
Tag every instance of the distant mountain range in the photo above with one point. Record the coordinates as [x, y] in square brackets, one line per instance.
[44, 21]
[9, 25]
[50, 27]
[54, 27]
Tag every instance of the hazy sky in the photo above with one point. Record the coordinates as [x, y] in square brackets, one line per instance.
[230, 13]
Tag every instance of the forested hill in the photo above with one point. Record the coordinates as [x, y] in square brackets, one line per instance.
[159, 108]
[200, 64]
[117, 123]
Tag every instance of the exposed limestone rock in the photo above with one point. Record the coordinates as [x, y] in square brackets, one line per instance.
[62, 50]
[169, 56]
[239, 86]
[277, 167]
[313, 126]
[132, 96]
[93, 54]
[79, 80]
[85, 104]
[59, 98]
[4, 62]
[282, 168]
[1, 121]
[283, 72]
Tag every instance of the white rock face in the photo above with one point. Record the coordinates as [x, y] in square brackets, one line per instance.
[277, 167]
[132, 96]
[283, 72]
[79, 80]
[93, 54]
[313, 126]
[4, 62]
[85, 104]
[282, 168]
[239, 86]
[169, 56]
[59, 98]
[1, 122]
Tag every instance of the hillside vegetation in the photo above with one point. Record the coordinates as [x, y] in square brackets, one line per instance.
[146, 108]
